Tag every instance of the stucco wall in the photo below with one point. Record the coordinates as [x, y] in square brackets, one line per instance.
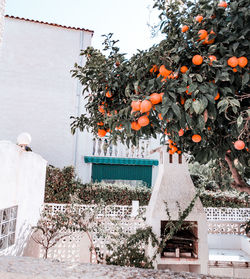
[37, 93]
[22, 182]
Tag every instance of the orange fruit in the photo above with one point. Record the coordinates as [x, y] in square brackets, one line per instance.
[212, 58]
[143, 121]
[145, 106]
[222, 4]
[197, 59]
[196, 138]
[101, 109]
[242, 61]
[183, 99]
[217, 96]
[108, 94]
[232, 62]
[119, 127]
[179, 151]
[207, 41]
[181, 132]
[155, 98]
[135, 126]
[164, 72]
[160, 116]
[239, 145]
[171, 152]
[153, 69]
[174, 149]
[136, 105]
[100, 124]
[184, 69]
[209, 128]
[199, 18]
[170, 141]
[102, 133]
[235, 70]
[202, 34]
[184, 28]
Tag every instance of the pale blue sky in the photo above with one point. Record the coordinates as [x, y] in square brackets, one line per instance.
[127, 19]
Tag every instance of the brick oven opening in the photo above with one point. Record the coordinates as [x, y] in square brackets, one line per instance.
[184, 243]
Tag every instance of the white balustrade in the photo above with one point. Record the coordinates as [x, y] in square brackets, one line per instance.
[101, 147]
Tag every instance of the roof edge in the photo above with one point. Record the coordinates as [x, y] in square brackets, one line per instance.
[52, 24]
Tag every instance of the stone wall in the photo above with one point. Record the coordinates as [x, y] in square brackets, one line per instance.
[29, 268]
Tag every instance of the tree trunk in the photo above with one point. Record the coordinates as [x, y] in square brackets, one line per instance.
[239, 184]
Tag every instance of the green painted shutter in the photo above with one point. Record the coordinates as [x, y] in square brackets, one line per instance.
[122, 172]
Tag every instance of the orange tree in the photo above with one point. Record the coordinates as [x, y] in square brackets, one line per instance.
[193, 86]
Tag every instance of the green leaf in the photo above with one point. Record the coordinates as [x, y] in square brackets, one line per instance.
[245, 79]
[176, 110]
[199, 77]
[196, 106]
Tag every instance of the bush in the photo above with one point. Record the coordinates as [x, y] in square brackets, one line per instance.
[60, 184]
[113, 194]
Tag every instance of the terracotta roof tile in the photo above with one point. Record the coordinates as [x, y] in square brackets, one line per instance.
[48, 23]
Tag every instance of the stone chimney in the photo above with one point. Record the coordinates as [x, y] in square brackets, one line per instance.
[174, 185]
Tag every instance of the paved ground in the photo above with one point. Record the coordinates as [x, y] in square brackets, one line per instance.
[30, 268]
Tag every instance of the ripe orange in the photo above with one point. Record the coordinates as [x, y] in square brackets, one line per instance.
[212, 58]
[135, 126]
[164, 72]
[154, 69]
[196, 138]
[184, 69]
[143, 121]
[235, 70]
[199, 18]
[197, 59]
[101, 109]
[174, 149]
[145, 106]
[136, 105]
[242, 61]
[202, 34]
[217, 96]
[232, 62]
[183, 99]
[108, 94]
[171, 152]
[100, 124]
[160, 116]
[222, 4]
[155, 98]
[207, 41]
[184, 28]
[239, 145]
[179, 151]
[181, 132]
[101, 133]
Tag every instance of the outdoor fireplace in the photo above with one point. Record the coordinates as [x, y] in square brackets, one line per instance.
[172, 193]
[184, 243]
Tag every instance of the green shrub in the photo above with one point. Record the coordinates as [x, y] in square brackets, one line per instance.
[113, 194]
[60, 184]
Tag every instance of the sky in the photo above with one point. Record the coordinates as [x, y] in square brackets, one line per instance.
[127, 19]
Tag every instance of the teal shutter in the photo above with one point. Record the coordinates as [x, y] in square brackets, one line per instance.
[122, 172]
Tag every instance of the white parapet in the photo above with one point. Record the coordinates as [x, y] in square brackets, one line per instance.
[22, 185]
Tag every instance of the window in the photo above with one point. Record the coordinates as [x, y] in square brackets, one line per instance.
[7, 227]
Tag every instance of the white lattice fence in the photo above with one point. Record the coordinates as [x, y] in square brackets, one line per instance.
[124, 211]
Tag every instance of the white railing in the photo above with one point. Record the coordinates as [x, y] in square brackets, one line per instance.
[101, 147]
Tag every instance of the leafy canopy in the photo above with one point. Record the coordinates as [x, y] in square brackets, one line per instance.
[190, 100]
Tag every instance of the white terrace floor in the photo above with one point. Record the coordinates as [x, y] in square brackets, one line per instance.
[228, 255]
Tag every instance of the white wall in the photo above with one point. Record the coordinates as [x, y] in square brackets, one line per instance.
[37, 93]
[22, 183]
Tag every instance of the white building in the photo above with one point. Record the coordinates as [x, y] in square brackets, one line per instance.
[38, 96]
